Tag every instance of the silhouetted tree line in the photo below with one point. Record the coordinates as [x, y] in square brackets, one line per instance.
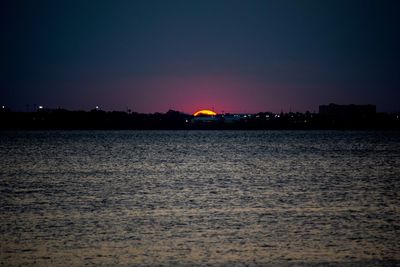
[98, 119]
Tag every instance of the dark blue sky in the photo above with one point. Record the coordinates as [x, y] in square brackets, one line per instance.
[233, 56]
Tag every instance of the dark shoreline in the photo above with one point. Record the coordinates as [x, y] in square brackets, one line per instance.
[174, 120]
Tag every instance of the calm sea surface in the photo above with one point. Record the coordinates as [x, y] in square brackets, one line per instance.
[178, 198]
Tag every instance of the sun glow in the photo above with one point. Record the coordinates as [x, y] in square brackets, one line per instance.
[205, 112]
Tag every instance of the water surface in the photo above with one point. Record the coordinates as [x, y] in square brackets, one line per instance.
[150, 198]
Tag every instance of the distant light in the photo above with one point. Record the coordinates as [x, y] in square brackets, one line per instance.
[40, 107]
[266, 116]
[97, 107]
[186, 121]
[3, 107]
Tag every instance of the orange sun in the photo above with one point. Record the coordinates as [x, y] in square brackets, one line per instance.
[205, 112]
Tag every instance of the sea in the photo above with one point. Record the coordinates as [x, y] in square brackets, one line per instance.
[199, 198]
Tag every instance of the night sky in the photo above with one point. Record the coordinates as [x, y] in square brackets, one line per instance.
[232, 56]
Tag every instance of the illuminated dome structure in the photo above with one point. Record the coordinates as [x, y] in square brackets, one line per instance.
[204, 113]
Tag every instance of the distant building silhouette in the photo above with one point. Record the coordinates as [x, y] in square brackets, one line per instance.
[231, 118]
[347, 111]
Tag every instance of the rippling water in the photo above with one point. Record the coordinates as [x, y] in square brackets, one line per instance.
[200, 198]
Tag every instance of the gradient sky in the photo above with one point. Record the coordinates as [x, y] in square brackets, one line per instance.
[233, 56]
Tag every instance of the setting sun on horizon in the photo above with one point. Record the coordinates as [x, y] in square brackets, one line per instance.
[206, 112]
